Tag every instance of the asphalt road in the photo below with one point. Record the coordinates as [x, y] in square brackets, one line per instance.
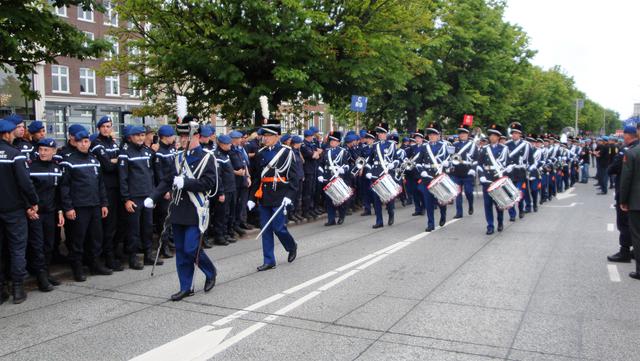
[540, 290]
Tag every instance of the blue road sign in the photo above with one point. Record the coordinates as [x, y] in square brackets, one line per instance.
[358, 103]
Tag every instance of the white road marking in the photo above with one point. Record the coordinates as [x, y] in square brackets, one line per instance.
[567, 206]
[208, 348]
[565, 195]
[614, 276]
[610, 227]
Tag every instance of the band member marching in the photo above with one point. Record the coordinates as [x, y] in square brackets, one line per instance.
[192, 178]
[273, 187]
[518, 162]
[381, 161]
[463, 165]
[434, 159]
[491, 163]
[334, 164]
[535, 173]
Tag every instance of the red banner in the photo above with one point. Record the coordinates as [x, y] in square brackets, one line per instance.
[467, 120]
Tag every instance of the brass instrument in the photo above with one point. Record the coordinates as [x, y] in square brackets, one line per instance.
[359, 164]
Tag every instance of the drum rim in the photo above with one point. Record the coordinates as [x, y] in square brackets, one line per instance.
[437, 179]
[494, 185]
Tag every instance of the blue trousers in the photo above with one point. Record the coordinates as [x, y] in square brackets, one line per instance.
[331, 210]
[559, 182]
[187, 241]
[430, 203]
[277, 226]
[526, 196]
[512, 210]
[13, 228]
[467, 188]
[585, 173]
[365, 193]
[377, 207]
[535, 190]
[544, 182]
[489, 204]
[414, 193]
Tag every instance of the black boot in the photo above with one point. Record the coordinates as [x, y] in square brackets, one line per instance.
[220, 241]
[54, 281]
[19, 295]
[391, 219]
[134, 262]
[149, 259]
[78, 272]
[4, 294]
[43, 282]
[229, 238]
[113, 263]
[165, 251]
[97, 268]
[241, 232]
[624, 256]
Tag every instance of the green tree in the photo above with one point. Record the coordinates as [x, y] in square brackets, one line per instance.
[31, 33]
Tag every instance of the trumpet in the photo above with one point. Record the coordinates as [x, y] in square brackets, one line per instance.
[407, 165]
[456, 159]
[359, 164]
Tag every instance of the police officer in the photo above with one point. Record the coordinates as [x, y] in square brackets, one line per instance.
[206, 135]
[106, 150]
[518, 163]
[23, 145]
[432, 162]
[463, 166]
[535, 173]
[46, 176]
[193, 177]
[274, 187]
[18, 196]
[225, 204]
[240, 163]
[381, 161]
[334, 163]
[135, 172]
[163, 164]
[37, 131]
[491, 166]
[622, 217]
[84, 201]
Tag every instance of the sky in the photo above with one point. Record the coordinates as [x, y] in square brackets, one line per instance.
[596, 42]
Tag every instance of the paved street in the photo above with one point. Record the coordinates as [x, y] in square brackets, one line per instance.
[540, 290]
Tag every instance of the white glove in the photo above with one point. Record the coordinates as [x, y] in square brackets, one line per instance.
[483, 180]
[509, 168]
[321, 179]
[251, 204]
[340, 170]
[178, 182]
[148, 202]
[369, 175]
[391, 165]
[286, 201]
[445, 164]
[472, 172]
[424, 174]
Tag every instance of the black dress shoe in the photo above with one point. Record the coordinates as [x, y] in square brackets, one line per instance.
[292, 255]
[265, 267]
[470, 211]
[340, 220]
[241, 232]
[134, 263]
[4, 294]
[78, 273]
[376, 226]
[97, 268]
[229, 238]
[209, 283]
[430, 229]
[443, 221]
[601, 194]
[512, 219]
[220, 241]
[391, 220]
[114, 264]
[520, 215]
[622, 257]
[457, 216]
[148, 261]
[635, 275]
[365, 214]
[43, 282]
[490, 231]
[535, 209]
[527, 211]
[54, 281]
[500, 227]
[19, 295]
[180, 295]
[329, 224]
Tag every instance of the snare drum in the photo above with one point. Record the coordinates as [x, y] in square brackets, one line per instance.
[444, 189]
[386, 188]
[504, 193]
[338, 191]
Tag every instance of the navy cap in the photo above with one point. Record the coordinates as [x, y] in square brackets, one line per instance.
[314, 129]
[224, 139]
[235, 134]
[47, 142]
[75, 128]
[82, 134]
[35, 126]
[6, 126]
[206, 131]
[308, 133]
[104, 119]
[630, 129]
[14, 118]
[362, 133]
[166, 131]
[136, 129]
[296, 139]
[285, 137]
[351, 138]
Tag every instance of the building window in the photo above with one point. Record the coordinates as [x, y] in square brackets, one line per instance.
[112, 85]
[87, 81]
[85, 15]
[133, 92]
[89, 35]
[61, 11]
[59, 79]
[114, 49]
[110, 14]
